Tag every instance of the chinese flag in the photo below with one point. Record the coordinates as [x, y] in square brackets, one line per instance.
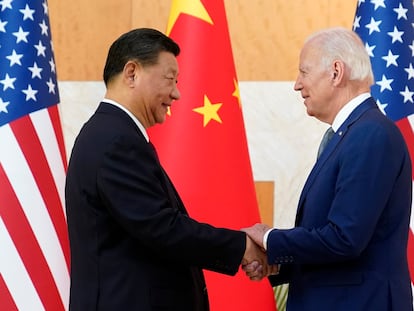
[202, 144]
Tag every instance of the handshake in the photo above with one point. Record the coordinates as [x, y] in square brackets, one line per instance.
[254, 262]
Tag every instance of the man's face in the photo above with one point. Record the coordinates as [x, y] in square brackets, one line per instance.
[158, 88]
[314, 82]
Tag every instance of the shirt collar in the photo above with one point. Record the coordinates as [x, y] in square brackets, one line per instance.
[139, 124]
[346, 110]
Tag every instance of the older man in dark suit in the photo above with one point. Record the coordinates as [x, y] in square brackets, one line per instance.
[133, 245]
[348, 248]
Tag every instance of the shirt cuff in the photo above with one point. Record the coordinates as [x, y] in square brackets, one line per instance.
[265, 238]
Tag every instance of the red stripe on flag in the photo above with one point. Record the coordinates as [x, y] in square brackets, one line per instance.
[6, 299]
[410, 255]
[407, 131]
[27, 246]
[54, 116]
[25, 134]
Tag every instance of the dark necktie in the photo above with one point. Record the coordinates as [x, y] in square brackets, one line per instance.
[325, 140]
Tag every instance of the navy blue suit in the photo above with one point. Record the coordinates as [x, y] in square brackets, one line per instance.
[348, 248]
[133, 246]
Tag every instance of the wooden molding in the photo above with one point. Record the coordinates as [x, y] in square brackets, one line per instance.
[265, 199]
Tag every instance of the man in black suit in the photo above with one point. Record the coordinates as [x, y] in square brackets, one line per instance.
[133, 245]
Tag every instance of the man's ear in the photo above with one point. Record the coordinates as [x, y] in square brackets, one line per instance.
[338, 71]
[130, 72]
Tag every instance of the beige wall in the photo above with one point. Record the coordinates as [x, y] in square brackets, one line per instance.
[266, 34]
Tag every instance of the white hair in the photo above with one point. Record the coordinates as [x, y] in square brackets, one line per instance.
[345, 45]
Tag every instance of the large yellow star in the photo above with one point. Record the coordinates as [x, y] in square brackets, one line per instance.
[190, 7]
[209, 111]
[236, 92]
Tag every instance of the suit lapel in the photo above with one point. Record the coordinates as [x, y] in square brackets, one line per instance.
[332, 145]
[169, 186]
[173, 194]
[166, 182]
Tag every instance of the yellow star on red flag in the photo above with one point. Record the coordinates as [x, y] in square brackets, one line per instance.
[236, 92]
[190, 7]
[209, 111]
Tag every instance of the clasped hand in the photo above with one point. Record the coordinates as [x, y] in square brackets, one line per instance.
[254, 262]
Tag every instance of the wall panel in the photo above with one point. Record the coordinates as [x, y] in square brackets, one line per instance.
[82, 32]
[153, 14]
[267, 35]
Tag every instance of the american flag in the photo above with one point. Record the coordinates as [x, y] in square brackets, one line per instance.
[34, 248]
[386, 28]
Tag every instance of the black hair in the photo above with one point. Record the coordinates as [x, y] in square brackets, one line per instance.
[143, 45]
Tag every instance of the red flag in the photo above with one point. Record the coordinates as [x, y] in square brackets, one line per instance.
[34, 247]
[203, 146]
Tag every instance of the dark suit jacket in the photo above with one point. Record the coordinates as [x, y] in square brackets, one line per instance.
[348, 249]
[133, 246]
